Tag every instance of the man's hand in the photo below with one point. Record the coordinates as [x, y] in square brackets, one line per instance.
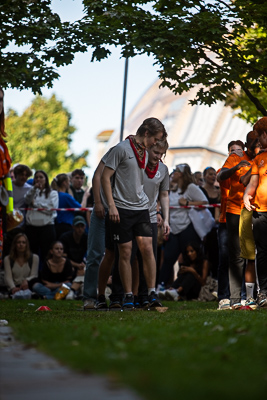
[114, 214]
[243, 163]
[166, 228]
[183, 201]
[24, 285]
[159, 220]
[248, 205]
[99, 210]
[183, 270]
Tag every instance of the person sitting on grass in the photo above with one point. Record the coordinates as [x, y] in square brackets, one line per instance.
[192, 275]
[21, 268]
[56, 275]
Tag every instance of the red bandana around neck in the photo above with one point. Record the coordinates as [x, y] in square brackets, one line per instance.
[152, 172]
[139, 151]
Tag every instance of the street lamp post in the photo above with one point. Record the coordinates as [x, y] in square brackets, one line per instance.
[124, 98]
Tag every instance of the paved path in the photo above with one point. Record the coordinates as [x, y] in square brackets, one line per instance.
[26, 374]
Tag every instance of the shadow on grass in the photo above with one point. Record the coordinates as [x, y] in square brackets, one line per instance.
[190, 350]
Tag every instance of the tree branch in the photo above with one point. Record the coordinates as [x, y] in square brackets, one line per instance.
[254, 100]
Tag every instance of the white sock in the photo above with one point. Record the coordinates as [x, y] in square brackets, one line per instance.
[250, 289]
[150, 290]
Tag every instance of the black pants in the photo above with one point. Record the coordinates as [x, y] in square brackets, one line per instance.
[236, 263]
[191, 286]
[41, 238]
[259, 221]
[173, 248]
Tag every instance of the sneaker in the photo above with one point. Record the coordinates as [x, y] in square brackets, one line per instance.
[154, 300]
[145, 302]
[62, 292]
[128, 302]
[161, 287]
[236, 306]
[136, 302]
[171, 294]
[262, 300]
[101, 303]
[115, 303]
[224, 304]
[70, 295]
[89, 304]
[251, 303]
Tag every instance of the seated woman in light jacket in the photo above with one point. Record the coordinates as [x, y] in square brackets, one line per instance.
[40, 225]
[21, 268]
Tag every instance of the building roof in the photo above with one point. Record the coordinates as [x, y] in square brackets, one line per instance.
[197, 134]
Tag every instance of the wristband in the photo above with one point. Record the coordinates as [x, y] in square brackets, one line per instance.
[160, 213]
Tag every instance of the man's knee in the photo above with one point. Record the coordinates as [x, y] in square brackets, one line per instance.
[125, 250]
[145, 246]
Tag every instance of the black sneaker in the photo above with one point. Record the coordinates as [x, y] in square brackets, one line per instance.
[128, 302]
[101, 303]
[136, 302]
[115, 304]
[262, 300]
[144, 301]
[154, 300]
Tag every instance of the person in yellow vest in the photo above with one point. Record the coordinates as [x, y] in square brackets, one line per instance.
[6, 194]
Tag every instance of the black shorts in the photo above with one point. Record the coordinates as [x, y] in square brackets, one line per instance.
[132, 223]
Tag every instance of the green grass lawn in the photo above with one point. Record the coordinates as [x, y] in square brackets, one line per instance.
[191, 351]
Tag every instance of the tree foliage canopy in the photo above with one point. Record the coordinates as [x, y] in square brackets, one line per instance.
[218, 45]
[41, 137]
[33, 42]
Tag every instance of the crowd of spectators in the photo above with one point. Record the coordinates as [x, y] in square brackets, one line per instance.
[50, 254]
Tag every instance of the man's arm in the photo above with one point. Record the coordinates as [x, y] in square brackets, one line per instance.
[96, 183]
[165, 207]
[105, 181]
[246, 178]
[226, 173]
[250, 192]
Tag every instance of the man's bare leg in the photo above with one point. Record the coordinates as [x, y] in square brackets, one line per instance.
[125, 269]
[149, 262]
[105, 269]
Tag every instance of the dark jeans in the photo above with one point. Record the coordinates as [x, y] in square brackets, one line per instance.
[259, 221]
[211, 250]
[223, 268]
[173, 248]
[236, 263]
[191, 286]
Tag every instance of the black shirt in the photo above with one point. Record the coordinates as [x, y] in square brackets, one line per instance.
[75, 251]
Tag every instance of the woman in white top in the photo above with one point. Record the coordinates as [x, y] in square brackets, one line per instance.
[184, 193]
[40, 225]
[21, 268]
